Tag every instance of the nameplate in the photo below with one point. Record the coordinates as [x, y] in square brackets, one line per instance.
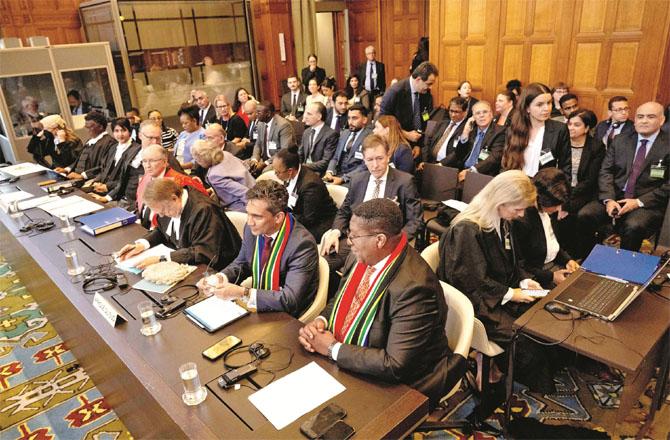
[107, 310]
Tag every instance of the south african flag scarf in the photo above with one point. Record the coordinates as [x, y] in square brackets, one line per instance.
[267, 278]
[358, 330]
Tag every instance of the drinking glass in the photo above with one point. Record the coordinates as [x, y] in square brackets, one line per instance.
[150, 324]
[194, 392]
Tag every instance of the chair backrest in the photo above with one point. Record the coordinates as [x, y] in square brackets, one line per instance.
[269, 175]
[338, 193]
[321, 296]
[239, 219]
[481, 343]
[474, 182]
[432, 255]
[438, 183]
[460, 320]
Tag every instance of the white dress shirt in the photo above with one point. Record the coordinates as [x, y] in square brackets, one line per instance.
[372, 184]
[532, 153]
[552, 242]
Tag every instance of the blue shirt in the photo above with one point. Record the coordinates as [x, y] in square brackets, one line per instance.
[184, 142]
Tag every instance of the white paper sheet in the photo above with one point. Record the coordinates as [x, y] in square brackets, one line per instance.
[456, 204]
[6, 199]
[37, 201]
[294, 395]
[22, 169]
[129, 264]
[72, 206]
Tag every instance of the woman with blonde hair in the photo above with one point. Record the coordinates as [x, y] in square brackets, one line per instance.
[388, 128]
[57, 141]
[478, 257]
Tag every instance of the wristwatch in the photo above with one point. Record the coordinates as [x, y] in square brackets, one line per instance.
[330, 349]
[162, 258]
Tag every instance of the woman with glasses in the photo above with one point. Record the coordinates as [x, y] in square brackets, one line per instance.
[168, 134]
[234, 125]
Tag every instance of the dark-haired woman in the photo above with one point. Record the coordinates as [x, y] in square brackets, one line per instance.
[539, 250]
[312, 71]
[328, 88]
[168, 134]
[533, 140]
[356, 93]
[241, 96]
[504, 108]
[464, 90]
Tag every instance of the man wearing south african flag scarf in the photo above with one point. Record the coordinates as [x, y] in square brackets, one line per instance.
[387, 318]
[277, 252]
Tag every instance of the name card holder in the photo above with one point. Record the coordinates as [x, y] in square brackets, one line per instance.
[107, 310]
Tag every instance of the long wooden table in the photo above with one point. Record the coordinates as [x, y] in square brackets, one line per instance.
[139, 376]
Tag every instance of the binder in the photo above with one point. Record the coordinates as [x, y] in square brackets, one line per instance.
[103, 221]
[634, 267]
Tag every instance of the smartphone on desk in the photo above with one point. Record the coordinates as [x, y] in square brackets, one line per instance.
[221, 347]
[321, 422]
[339, 431]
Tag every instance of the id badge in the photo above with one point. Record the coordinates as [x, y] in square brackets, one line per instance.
[483, 155]
[301, 109]
[358, 155]
[254, 136]
[545, 158]
[357, 99]
[425, 116]
[374, 75]
[272, 146]
[657, 171]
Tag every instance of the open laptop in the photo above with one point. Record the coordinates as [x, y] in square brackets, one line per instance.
[610, 279]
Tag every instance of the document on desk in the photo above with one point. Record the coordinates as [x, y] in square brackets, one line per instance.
[6, 199]
[72, 206]
[129, 265]
[37, 201]
[23, 169]
[294, 395]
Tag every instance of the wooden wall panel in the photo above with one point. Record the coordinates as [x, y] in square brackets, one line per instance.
[56, 19]
[364, 16]
[601, 48]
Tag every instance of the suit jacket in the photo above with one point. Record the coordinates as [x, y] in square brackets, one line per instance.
[399, 187]
[287, 107]
[432, 144]
[603, 127]
[92, 157]
[281, 133]
[206, 235]
[306, 75]
[493, 142]
[298, 273]
[407, 342]
[398, 102]
[210, 116]
[557, 139]
[586, 189]
[231, 180]
[381, 76]
[344, 123]
[322, 149]
[617, 166]
[532, 246]
[475, 262]
[314, 208]
[347, 163]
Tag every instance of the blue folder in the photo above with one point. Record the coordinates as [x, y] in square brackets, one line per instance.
[633, 267]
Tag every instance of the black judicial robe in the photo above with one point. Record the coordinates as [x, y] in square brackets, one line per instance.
[93, 157]
[205, 234]
[112, 174]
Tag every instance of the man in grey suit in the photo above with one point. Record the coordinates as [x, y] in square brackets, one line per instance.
[274, 133]
[293, 102]
[379, 181]
[285, 283]
[348, 157]
[633, 181]
[319, 141]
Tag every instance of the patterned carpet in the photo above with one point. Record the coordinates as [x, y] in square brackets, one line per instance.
[44, 393]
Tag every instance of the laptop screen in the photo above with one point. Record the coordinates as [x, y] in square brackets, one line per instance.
[633, 267]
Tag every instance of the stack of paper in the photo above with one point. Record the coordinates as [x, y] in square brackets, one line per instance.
[156, 251]
[6, 199]
[23, 169]
[73, 206]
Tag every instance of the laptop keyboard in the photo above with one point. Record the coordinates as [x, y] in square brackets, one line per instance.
[604, 293]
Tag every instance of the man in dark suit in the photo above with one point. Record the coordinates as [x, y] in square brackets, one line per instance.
[372, 73]
[410, 101]
[274, 133]
[287, 274]
[480, 148]
[441, 145]
[631, 181]
[77, 106]
[206, 111]
[387, 319]
[308, 197]
[189, 222]
[378, 181]
[348, 157]
[318, 141]
[337, 114]
[246, 144]
[93, 157]
[293, 102]
[617, 121]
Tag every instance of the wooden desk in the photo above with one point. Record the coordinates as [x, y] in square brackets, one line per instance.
[139, 375]
[635, 343]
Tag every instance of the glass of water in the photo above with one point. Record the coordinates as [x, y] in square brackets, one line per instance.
[150, 325]
[194, 392]
[74, 268]
[66, 225]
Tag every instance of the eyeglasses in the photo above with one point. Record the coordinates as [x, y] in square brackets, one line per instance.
[351, 238]
[151, 161]
[152, 138]
[620, 110]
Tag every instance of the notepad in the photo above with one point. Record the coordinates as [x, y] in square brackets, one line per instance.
[72, 206]
[129, 265]
[23, 169]
[214, 312]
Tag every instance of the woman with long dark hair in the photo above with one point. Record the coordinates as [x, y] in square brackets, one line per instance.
[533, 140]
[168, 134]
[356, 92]
[242, 96]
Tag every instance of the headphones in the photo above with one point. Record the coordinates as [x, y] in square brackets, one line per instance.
[39, 225]
[257, 350]
[102, 283]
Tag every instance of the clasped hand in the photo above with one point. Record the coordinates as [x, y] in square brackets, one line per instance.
[315, 338]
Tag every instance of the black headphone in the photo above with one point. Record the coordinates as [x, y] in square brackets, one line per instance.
[257, 350]
[96, 284]
[40, 225]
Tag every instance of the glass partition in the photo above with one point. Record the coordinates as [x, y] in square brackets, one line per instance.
[89, 90]
[29, 98]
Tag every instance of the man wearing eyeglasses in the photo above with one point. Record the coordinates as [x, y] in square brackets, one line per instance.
[617, 121]
[440, 146]
[155, 163]
[387, 318]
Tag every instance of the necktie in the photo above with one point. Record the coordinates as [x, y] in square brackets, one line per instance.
[311, 144]
[294, 103]
[202, 116]
[612, 134]
[636, 170]
[417, 111]
[265, 255]
[474, 154]
[337, 123]
[357, 301]
[440, 152]
[373, 81]
[252, 124]
[350, 142]
[378, 186]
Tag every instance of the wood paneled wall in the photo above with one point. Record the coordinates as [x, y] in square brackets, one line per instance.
[601, 48]
[56, 19]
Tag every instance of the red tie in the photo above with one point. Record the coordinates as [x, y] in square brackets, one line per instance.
[357, 301]
[636, 170]
[265, 255]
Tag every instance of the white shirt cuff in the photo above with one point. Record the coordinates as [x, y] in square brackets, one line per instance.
[109, 199]
[335, 350]
[251, 302]
[507, 297]
[67, 170]
[639, 203]
[524, 283]
[472, 169]
[325, 321]
[83, 174]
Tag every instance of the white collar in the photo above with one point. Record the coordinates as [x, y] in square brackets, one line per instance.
[382, 178]
[96, 139]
